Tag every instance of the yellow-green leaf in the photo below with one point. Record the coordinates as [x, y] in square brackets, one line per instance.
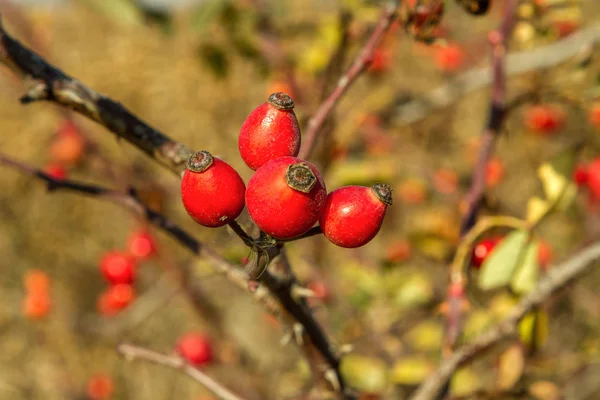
[499, 267]
[510, 367]
[536, 208]
[556, 178]
[533, 329]
[366, 374]
[411, 370]
[525, 279]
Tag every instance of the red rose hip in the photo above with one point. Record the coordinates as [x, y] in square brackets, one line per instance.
[354, 214]
[118, 267]
[285, 197]
[141, 245]
[211, 190]
[270, 131]
[195, 348]
[482, 250]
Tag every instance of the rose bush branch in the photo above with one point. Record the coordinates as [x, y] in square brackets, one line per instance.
[517, 63]
[497, 111]
[358, 66]
[51, 84]
[131, 352]
[132, 202]
[47, 82]
[558, 278]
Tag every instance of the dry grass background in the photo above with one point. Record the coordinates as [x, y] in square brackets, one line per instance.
[375, 307]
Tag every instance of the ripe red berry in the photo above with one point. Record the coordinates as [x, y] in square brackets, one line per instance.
[118, 267]
[211, 190]
[580, 175]
[195, 348]
[450, 58]
[593, 178]
[594, 115]
[354, 214]
[68, 146]
[285, 197]
[270, 131]
[381, 61]
[482, 250]
[544, 118]
[141, 245]
[545, 254]
[55, 171]
[99, 387]
[37, 305]
[36, 281]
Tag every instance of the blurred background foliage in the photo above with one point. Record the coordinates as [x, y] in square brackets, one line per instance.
[195, 70]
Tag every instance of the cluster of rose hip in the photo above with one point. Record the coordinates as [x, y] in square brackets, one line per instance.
[119, 268]
[286, 196]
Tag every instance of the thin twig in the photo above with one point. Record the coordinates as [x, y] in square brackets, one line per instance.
[517, 63]
[132, 352]
[131, 201]
[558, 277]
[359, 65]
[497, 111]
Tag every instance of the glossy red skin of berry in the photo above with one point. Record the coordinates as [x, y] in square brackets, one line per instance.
[141, 245]
[580, 175]
[276, 208]
[195, 348]
[593, 178]
[352, 217]
[544, 118]
[482, 250]
[56, 171]
[118, 267]
[215, 196]
[268, 133]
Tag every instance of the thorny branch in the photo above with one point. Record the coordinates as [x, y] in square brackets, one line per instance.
[558, 278]
[132, 352]
[360, 63]
[51, 84]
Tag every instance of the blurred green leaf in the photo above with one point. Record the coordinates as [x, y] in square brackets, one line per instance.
[206, 13]
[122, 11]
[414, 291]
[556, 178]
[426, 336]
[498, 268]
[536, 209]
[465, 381]
[367, 374]
[533, 329]
[411, 370]
[510, 367]
[215, 59]
[525, 279]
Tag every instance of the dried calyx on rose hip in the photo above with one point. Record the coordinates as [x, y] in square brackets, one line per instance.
[353, 214]
[211, 190]
[285, 197]
[270, 131]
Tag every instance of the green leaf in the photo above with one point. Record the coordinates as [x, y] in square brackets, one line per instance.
[536, 209]
[122, 11]
[526, 276]
[556, 178]
[510, 368]
[207, 13]
[411, 370]
[500, 265]
[366, 374]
